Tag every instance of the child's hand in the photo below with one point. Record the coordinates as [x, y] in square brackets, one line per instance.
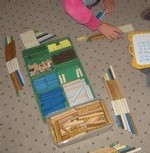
[108, 6]
[109, 31]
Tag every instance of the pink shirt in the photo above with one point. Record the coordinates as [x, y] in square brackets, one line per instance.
[79, 12]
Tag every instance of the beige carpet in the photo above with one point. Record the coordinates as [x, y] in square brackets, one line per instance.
[21, 125]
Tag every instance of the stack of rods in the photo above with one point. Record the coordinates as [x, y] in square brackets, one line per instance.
[79, 120]
[43, 36]
[119, 102]
[12, 63]
[117, 148]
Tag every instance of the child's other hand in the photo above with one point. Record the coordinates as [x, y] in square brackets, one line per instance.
[108, 6]
[109, 31]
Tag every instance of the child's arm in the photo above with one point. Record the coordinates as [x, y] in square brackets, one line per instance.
[79, 12]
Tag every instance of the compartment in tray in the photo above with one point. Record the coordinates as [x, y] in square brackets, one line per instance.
[77, 123]
[59, 45]
[63, 56]
[49, 93]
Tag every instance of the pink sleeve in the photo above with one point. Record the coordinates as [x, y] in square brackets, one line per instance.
[79, 12]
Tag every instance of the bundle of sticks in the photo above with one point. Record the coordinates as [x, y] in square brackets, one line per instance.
[78, 121]
[12, 63]
[123, 115]
[117, 148]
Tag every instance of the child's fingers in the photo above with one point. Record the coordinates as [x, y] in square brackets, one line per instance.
[113, 8]
[118, 30]
[116, 36]
[109, 10]
[108, 7]
[110, 38]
